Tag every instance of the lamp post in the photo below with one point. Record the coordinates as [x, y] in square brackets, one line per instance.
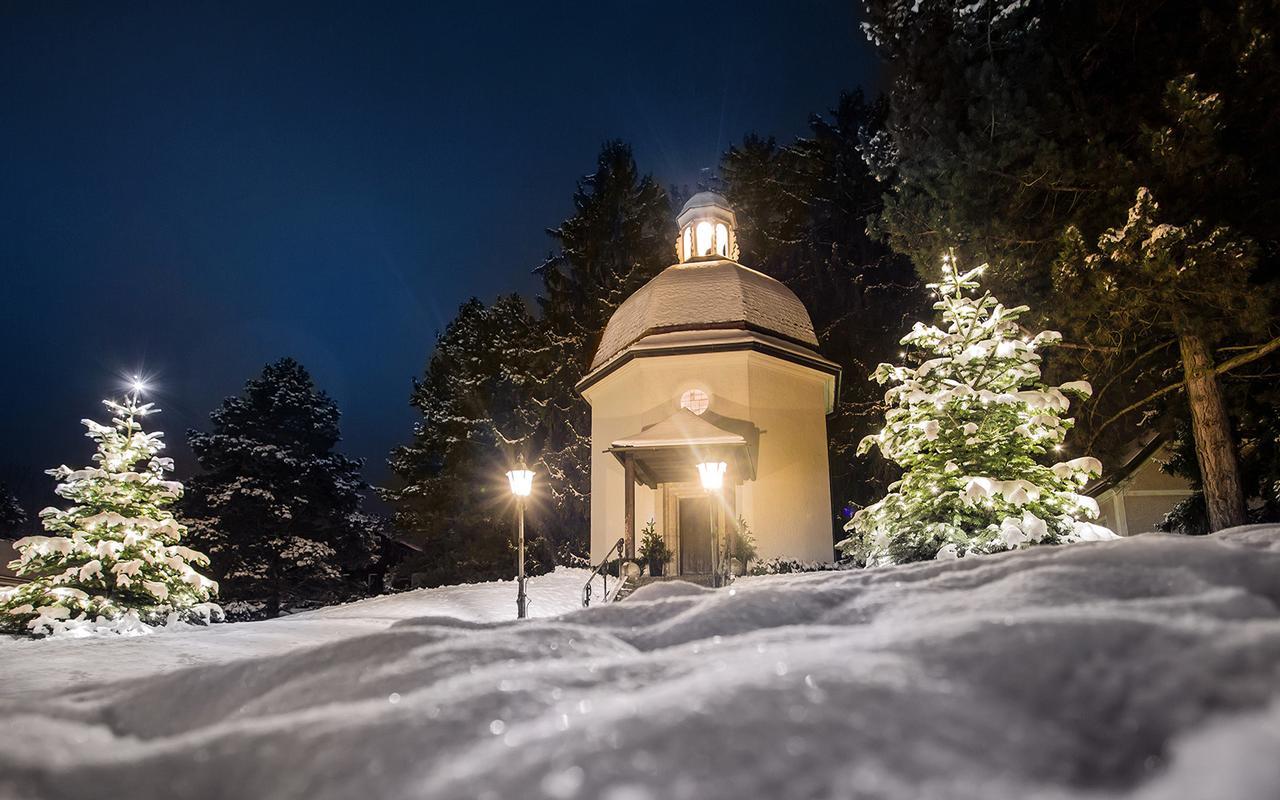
[521, 480]
[712, 474]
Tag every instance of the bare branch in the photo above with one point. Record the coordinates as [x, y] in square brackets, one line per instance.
[1095, 348]
[1245, 358]
[1225, 366]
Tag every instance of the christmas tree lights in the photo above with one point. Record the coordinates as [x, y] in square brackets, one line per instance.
[970, 425]
[112, 561]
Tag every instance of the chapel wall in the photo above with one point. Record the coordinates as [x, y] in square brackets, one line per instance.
[790, 503]
[642, 393]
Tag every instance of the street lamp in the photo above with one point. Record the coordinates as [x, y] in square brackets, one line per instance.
[521, 485]
[712, 474]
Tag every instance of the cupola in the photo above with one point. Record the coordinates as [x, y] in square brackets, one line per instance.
[707, 229]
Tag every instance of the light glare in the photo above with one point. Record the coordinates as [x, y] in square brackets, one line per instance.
[521, 482]
[703, 235]
[712, 474]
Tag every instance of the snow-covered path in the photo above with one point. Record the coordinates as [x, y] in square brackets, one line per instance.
[35, 665]
[1146, 668]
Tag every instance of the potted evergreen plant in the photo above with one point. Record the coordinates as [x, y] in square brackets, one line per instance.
[743, 548]
[653, 549]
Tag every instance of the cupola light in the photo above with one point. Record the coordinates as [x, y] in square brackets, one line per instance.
[707, 229]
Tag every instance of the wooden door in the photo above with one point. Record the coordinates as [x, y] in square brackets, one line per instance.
[695, 535]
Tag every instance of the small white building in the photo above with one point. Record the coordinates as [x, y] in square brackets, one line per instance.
[1135, 497]
[711, 362]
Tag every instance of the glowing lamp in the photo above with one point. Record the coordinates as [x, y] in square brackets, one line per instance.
[521, 481]
[521, 485]
[712, 474]
[707, 228]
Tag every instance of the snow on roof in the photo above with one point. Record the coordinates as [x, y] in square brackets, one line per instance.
[703, 199]
[703, 295]
[1139, 452]
[667, 451]
[729, 338]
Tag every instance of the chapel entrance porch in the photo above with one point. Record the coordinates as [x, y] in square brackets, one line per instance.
[664, 457]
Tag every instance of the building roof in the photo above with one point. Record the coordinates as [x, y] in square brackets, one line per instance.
[703, 199]
[682, 429]
[668, 451]
[1139, 452]
[708, 294]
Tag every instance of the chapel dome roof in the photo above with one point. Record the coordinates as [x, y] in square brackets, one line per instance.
[707, 294]
[704, 199]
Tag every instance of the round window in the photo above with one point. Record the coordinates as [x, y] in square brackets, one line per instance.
[695, 400]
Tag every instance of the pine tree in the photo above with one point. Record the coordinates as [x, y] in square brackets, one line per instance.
[969, 425]
[501, 384]
[802, 212]
[113, 560]
[1167, 271]
[279, 511]
[12, 515]
[620, 235]
[653, 549]
[1026, 130]
[1255, 415]
[479, 413]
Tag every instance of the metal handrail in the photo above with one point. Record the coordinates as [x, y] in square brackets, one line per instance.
[602, 569]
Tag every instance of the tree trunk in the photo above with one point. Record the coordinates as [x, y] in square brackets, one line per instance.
[1219, 470]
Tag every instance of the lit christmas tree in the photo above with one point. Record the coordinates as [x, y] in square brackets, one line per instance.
[968, 426]
[111, 562]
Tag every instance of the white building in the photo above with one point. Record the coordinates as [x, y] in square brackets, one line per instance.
[711, 362]
[1135, 497]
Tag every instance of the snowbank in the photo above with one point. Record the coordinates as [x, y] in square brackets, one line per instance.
[1144, 668]
[28, 665]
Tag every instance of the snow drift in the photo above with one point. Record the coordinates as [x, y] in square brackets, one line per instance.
[1142, 668]
[29, 666]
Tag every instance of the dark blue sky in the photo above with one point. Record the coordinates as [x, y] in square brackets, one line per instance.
[196, 189]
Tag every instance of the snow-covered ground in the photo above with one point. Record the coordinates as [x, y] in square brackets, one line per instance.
[1143, 668]
[28, 665]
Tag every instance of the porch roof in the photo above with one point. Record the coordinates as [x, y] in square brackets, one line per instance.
[669, 451]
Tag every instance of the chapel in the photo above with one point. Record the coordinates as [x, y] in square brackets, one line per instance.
[709, 404]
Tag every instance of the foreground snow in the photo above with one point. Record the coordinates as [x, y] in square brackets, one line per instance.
[1142, 668]
[28, 665]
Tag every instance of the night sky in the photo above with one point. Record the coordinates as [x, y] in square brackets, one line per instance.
[193, 190]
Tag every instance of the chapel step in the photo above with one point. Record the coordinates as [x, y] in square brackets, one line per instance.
[644, 580]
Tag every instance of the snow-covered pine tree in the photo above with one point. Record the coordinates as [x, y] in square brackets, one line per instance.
[112, 561]
[1192, 282]
[479, 404]
[1033, 177]
[278, 511]
[969, 425]
[620, 236]
[802, 218]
